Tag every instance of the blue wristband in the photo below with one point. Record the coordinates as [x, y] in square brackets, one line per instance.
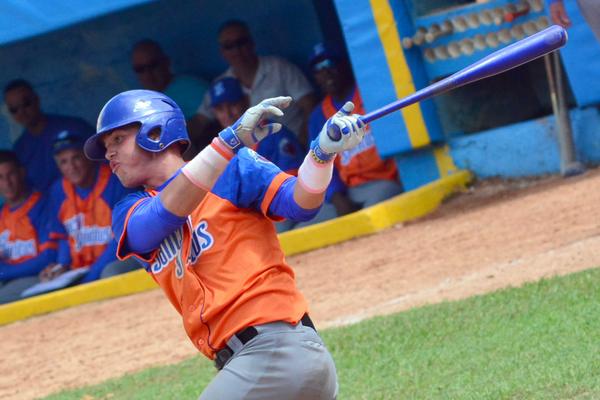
[319, 154]
[230, 139]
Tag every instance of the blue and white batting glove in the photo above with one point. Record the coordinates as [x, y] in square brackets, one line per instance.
[250, 129]
[349, 128]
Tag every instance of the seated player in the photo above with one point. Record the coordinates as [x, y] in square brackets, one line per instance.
[81, 203]
[368, 178]
[261, 77]
[152, 67]
[25, 248]
[34, 146]
[228, 102]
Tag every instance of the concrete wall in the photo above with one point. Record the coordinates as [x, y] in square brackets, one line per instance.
[528, 148]
[77, 69]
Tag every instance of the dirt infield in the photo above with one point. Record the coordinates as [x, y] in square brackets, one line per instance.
[499, 234]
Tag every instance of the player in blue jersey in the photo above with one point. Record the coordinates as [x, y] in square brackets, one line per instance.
[34, 146]
[25, 247]
[228, 102]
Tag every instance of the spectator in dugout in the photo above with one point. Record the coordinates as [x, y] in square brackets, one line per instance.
[81, 204]
[153, 70]
[25, 247]
[261, 77]
[365, 179]
[228, 102]
[34, 146]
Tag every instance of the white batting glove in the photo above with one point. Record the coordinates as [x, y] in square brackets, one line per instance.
[250, 128]
[341, 132]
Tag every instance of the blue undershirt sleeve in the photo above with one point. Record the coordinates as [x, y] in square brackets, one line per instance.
[284, 205]
[64, 253]
[30, 267]
[108, 255]
[149, 225]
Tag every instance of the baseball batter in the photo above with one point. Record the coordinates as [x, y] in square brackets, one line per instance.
[205, 231]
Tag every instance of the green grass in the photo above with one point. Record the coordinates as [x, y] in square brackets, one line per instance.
[541, 341]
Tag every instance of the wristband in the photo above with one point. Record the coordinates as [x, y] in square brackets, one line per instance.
[204, 169]
[230, 139]
[318, 154]
[313, 175]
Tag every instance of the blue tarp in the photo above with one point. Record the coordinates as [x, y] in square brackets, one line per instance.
[20, 19]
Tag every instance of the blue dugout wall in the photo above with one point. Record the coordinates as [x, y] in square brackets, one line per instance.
[512, 111]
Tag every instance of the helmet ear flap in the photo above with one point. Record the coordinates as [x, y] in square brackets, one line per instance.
[177, 127]
[156, 135]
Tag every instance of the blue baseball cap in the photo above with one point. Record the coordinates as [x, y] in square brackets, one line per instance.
[324, 55]
[225, 90]
[67, 140]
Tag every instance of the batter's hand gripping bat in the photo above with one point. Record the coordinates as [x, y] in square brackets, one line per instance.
[512, 56]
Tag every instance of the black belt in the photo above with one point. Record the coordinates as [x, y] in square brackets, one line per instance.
[246, 335]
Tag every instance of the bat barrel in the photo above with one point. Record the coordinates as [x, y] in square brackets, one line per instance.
[512, 56]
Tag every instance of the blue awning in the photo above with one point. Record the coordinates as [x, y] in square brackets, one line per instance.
[20, 19]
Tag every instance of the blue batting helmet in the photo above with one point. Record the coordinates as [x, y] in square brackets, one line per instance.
[152, 110]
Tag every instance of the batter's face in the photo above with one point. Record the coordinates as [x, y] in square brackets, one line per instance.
[24, 106]
[229, 112]
[129, 162]
[237, 46]
[12, 182]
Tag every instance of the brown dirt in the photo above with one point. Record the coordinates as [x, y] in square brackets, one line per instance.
[496, 235]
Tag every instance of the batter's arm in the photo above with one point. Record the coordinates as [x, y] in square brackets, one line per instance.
[182, 195]
[315, 173]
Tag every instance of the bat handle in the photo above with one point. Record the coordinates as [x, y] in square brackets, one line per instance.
[334, 133]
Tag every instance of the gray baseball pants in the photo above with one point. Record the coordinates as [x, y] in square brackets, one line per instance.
[283, 362]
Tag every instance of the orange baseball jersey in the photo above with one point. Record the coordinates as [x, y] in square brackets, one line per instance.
[224, 269]
[24, 231]
[86, 220]
[361, 164]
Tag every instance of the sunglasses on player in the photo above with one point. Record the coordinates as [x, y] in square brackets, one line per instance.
[143, 68]
[25, 104]
[236, 44]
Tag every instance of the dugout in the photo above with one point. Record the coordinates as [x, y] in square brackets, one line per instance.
[76, 55]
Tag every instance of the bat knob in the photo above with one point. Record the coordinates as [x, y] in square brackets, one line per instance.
[334, 132]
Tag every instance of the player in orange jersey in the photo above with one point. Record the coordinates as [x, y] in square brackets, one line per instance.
[25, 247]
[81, 203]
[367, 178]
[205, 231]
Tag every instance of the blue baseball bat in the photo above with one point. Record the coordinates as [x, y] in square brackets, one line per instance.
[518, 53]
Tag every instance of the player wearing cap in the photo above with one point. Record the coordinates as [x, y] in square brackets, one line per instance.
[25, 247]
[82, 202]
[228, 102]
[205, 231]
[34, 146]
[368, 178]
